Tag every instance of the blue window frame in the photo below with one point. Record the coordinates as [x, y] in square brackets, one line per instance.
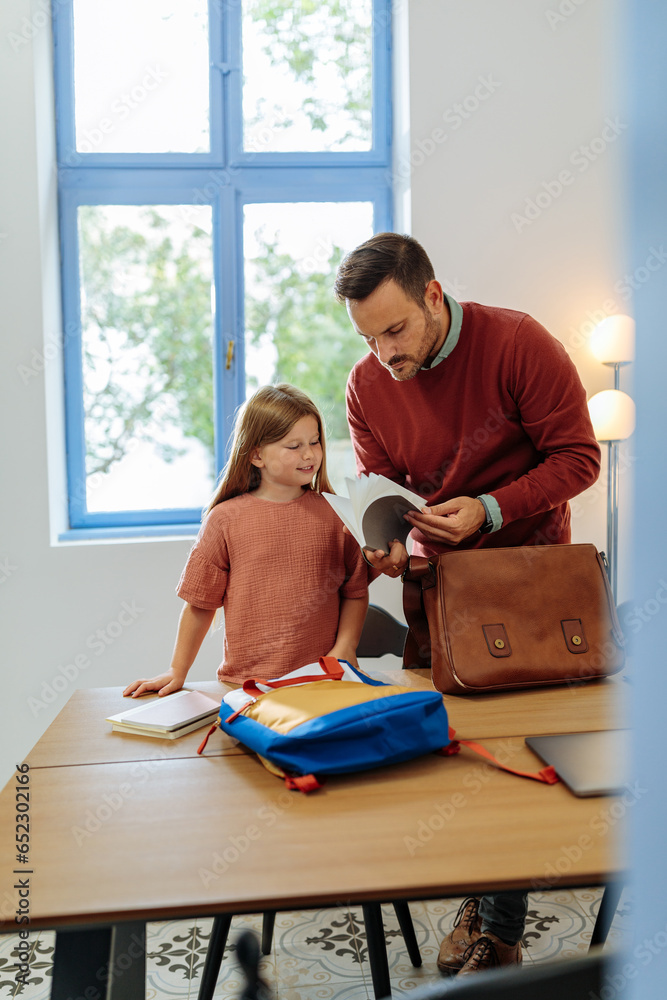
[223, 180]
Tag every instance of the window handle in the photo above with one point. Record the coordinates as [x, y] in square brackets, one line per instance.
[230, 355]
[224, 67]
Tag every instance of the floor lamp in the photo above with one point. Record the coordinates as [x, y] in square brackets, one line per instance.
[613, 415]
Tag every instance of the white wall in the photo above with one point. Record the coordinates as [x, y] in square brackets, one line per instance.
[553, 90]
[502, 97]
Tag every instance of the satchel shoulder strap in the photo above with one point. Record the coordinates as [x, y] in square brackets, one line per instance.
[418, 575]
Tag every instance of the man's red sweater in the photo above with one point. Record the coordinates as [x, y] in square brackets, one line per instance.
[505, 414]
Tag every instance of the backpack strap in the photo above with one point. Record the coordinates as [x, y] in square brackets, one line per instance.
[251, 686]
[329, 664]
[295, 782]
[547, 775]
[202, 745]
[332, 667]
[302, 783]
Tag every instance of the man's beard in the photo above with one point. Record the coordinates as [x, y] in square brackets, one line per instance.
[414, 363]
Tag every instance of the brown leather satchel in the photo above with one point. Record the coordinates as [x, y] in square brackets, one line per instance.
[494, 619]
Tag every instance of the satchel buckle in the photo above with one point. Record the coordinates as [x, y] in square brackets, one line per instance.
[497, 641]
[574, 635]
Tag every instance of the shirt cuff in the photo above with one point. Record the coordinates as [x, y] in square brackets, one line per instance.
[494, 510]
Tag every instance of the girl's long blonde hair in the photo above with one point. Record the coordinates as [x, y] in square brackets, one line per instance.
[266, 417]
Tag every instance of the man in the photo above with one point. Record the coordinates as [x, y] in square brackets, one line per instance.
[481, 411]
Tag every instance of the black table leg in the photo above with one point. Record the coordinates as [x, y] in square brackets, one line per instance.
[214, 953]
[402, 911]
[81, 964]
[608, 905]
[268, 922]
[377, 949]
[127, 962]
[104, 963]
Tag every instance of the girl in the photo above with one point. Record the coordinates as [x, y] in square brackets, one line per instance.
[272, 552]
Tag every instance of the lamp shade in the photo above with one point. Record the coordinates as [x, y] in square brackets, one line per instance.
[613, 415]
[613, 340]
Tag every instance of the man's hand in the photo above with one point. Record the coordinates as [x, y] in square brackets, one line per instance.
[449, 522]
[392, 564]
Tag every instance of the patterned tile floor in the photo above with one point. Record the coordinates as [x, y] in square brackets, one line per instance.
[322, 955]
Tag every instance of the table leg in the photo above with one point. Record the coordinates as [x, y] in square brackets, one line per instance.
[377, 949]
[214, 953]
[127, 962]
[268, 922]
[408, 931]
[80, 964]
[608, 905]
[105, 963]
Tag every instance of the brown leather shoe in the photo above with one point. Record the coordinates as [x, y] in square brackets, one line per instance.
[465, 932]
[489, 951]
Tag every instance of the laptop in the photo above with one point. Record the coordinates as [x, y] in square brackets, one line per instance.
[588, 763]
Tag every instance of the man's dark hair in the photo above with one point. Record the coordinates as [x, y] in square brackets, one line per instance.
[385, 257]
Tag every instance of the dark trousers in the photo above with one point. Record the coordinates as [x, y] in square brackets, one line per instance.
[504, 913]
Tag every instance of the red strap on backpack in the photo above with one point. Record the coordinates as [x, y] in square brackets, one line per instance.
[330, 665]
[332, 671]
[547, 775]
[302, 783]
[202, 745]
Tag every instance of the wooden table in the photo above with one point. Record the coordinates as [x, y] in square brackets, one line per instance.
[153, 832]
[79, 735]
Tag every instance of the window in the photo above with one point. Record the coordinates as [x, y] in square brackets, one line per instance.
[215, 162]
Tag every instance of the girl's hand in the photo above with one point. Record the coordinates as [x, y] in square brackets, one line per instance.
[163, 684]
[342, 652]
[392, 564]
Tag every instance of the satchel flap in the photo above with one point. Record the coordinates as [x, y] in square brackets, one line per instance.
[496, 640]
[575, 640]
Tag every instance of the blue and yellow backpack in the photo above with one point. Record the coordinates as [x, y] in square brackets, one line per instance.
[329, 718]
